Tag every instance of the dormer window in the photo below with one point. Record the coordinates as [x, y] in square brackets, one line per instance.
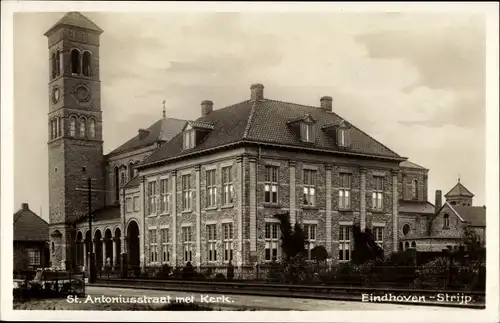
[306, 132]
[189, 139]
[342, 137]
[303, 127]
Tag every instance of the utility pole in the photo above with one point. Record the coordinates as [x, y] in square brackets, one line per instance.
[92, 274]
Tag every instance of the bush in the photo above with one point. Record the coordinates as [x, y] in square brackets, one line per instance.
[165, 271]
[219, 277]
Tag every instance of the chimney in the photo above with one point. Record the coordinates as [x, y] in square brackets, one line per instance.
[25, 206]
[257, 92]
[143, 133]
[326, 103]
[207, 107]
[438, 203]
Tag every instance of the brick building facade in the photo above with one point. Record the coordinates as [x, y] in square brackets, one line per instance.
[206, 191]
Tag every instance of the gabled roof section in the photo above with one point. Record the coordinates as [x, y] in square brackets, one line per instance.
[199, 125]
[409, 164]
[422, 207]
[266, 122]
[338, 123]
[75, 19]
[473, 215]
[459, 190]
[162, 130]
[28, 226]
[134, 182]
[305, 118]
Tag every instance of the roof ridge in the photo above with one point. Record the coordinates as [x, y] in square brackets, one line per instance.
[249, 120]
[338, 116]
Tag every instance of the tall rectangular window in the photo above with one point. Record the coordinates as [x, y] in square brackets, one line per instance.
[307, 133]
[345, 191]
[137, 206]
[227, 240]
[34, 257]
[227, 185]
[378, 193]
[189, 139]
[165, 195]
[212, 242]
[186, 192]
[272, 241]
[271, 184]
[310, 235]
[153, 251]
[186, 241]
[151, 193]
[378, 234]
[309, 187]
[165, 245]
[345, 234]
[211, 189]
[128, 205]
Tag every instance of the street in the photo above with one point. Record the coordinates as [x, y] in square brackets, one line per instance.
[257, 302]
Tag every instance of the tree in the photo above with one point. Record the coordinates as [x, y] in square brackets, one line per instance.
[365, 247]
[292, 241]
[319, 253]
[472, 243]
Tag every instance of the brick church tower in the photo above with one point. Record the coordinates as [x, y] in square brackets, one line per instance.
[75, 130]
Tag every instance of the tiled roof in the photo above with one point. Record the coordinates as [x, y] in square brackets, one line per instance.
[163, 129]
[423, 207]
[134, 182]
[265, 121]
[30, 227]
[106, 213]
[474, 215]
[76, 19]
[200, 124]
[459, 190]
[409, 164]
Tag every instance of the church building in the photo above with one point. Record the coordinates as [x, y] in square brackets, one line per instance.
[206, 190]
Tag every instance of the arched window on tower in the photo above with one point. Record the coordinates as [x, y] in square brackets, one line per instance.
[86, 63]
[414, 189]
[92, 128]
[52, 129]
[56, 130]
[61, 126]
[72, 126]
[83, 125]
[54, 68]
[117, 184]
[58, 63]
[75, 61]
[130, 171]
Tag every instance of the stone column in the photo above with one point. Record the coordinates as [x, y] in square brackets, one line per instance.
[142, 222]
[362, 221]
[253, 208]
[104, 240]
[239, 175]
[198, 216]
[328, 168]
[84, 262]
[115, 251]
[174, 218]
[395, 210]
[293, 215]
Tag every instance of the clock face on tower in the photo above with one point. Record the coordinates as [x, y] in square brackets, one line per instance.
[82, 93]
[56, 94]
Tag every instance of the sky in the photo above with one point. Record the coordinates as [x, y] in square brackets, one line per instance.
[413, 81]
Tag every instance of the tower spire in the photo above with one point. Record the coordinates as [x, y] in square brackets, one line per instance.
[459, 178]
[164, 109]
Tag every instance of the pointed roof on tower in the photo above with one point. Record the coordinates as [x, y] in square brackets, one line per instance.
[75, 19]
[459, 190]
